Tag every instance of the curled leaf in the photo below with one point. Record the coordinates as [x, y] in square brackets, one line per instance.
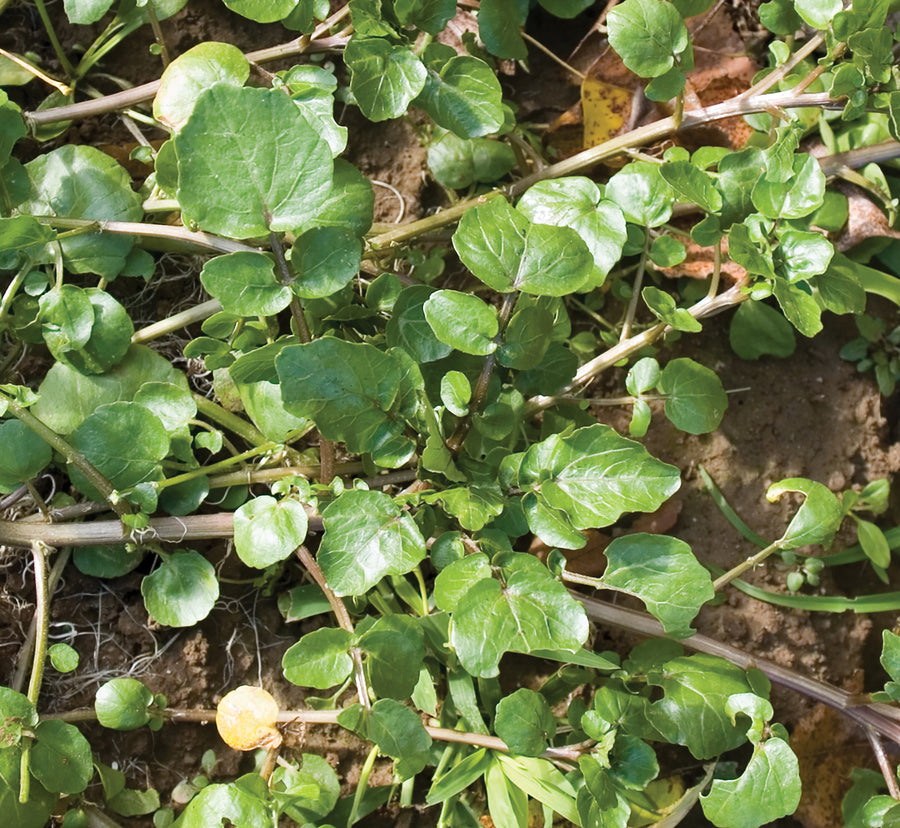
[246, 719]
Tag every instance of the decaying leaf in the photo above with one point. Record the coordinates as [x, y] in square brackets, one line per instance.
[246, 719]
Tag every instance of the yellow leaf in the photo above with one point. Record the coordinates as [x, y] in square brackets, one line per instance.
[246, 719]
[605, 108]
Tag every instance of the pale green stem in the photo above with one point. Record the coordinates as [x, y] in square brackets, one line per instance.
[635, 290]
[361, 785]
[231, 421]
[10, 292]
[203, 471]
[54, 40]
[742, 567]
[197, 313]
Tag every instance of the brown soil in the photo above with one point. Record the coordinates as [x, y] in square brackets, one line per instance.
[810, 415]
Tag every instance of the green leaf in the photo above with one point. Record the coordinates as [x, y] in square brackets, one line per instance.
[576, 202]
[648, 35]
[325, 260]
[63, 657]
[462, 321]
[85, 12]
[314, 772]
[110, 335]
[397, 730]
[592, 475]
[642, 376]
[351, 390]
[367, 537]
[192, 72]
[507, 252]
[82, 182]
[16, 714]
[801, 195]
[533, 611]
[68, 397]
[799, 307]
[131, 802]
[543, 782]
[473, 506]
[692, 712]
[23, 234]
[526, 338]
[768, 789]
[890, 654]
[123, 704]
[692, 185]
[267, 531]
[12, 127]
[32, 814]
[759, 330]
[61, 757]
[262, 11]
[818, 13]
[499, 22]
[395, 648]
[23, 455]
[384, 77]
[662, 306]
[349, 204]
[525, 722]
[738, 173]
[319, 659]
[428, 15]
[804, 253]
[456, 392]
[696, 399]
[231, 182]
[507, 803]
[817, 519]
[217, 803]
[245, 284]
[874, 543]
[409, 329]
[124, 441]
[599, 803]
[182, 590]
[750, 252]
[456, 578]
[462, 775]
[663, 572]
[458, 163]
[462, 94]
[667, 251]
[639, 189]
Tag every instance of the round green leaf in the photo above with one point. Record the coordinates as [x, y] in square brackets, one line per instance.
[367, 537]
[696, 399]
[61, 757]
[462, 321]
[576, 202]
[801, 195]
[63, 657]
[324, 260]
[320, 659]
[459, 162]
[124, 441]
[245, 283]
[231, 179]
[409, 329]
[267, 531]
[109, 340]
[23, 454]
[525, 722]
[173, 404]
[647, 35]
[123, 704]
[639, 189]
[193, 72]
[456, 392]
[16, 714]
[182, 590]
[384, 78]
[83, 182]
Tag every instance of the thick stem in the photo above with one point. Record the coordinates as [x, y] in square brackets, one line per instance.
[194, 314]
[635, 290]
[227, 419]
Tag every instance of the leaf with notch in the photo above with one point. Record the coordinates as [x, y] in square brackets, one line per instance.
[61, 757]
[267, 531]
[696, 399]
[662, 572]
[245, 283]
[507, 252]
[817, 519]
[231, 182]
[384, 77]
[351, 390]
[662, 306]
[576, 202]
[325, 260]
[320, 659]
[462, 321]
[648, 35]
[182, 590]
[692, 184]
[639, 189]
[461, 94]
[394, 647]
[367, 537]
[525, 722]
[801, 195]
[499, 22]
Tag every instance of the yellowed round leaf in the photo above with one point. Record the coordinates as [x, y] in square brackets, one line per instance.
[246, 719]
